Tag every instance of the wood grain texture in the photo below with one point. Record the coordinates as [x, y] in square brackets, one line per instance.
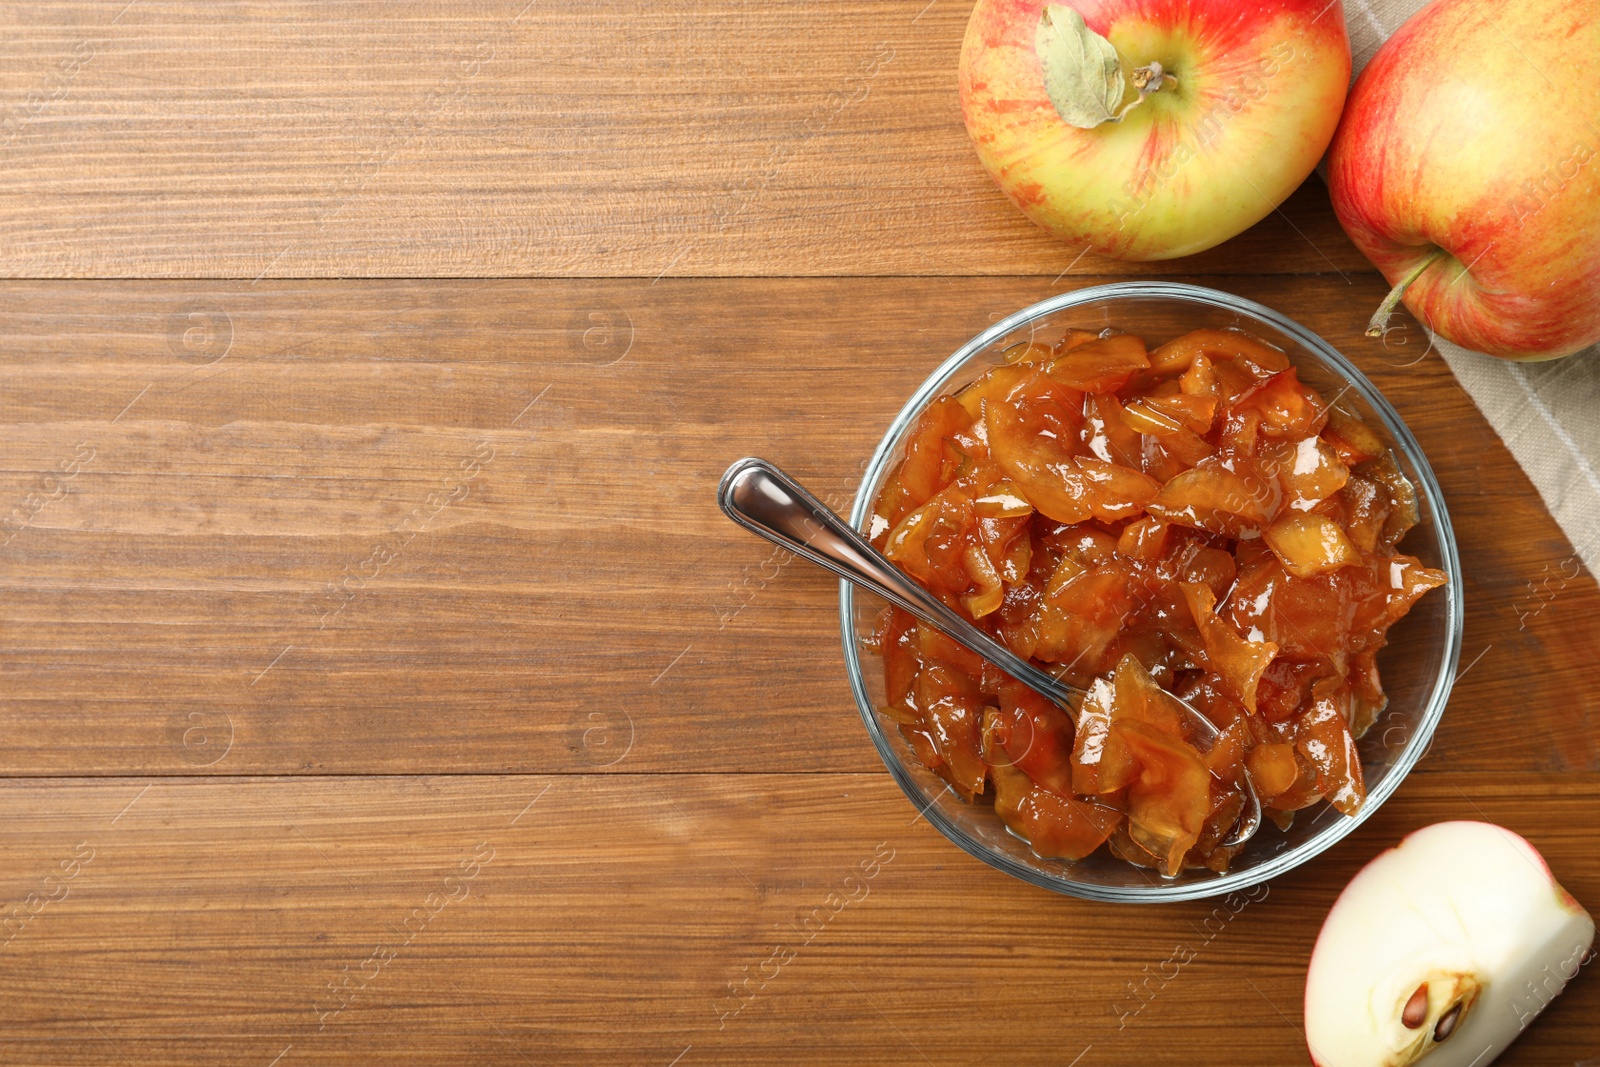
[248, 576]
[605, 923]
[378, 680]
[295, 138]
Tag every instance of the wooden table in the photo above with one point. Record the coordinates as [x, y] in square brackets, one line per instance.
[380, 682]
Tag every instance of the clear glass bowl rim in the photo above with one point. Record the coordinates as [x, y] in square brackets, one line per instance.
[1416, 746]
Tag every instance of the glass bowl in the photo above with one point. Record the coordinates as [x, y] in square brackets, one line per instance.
[1417, 667]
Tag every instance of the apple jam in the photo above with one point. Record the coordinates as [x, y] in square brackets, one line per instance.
[1191, 519]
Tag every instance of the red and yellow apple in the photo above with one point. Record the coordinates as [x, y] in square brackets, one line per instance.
[1150, 129]
[1467, 168]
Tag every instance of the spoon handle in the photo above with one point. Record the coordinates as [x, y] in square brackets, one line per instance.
[764, 500]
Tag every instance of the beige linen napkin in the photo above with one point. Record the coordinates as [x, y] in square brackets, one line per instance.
[1548, 414]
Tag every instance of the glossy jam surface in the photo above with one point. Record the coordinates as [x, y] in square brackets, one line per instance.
[1191, 519]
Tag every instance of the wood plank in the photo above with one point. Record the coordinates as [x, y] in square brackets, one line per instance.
[300, 139]
[204, 921]
[246, 574]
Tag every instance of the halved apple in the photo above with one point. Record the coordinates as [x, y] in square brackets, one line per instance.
[1446, 946]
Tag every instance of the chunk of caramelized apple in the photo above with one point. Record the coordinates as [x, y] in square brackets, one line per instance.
[1217, 346]
[1225, 494]
[1353, 439]
[1038, 462]
[1272, 768]
[1103, 365]
[921, 473]
[1323, 737]
[1035, 737]
[1169, 798]
[1055, 827]
[1237, 663]
[1310, 545]
[1287, 408]
[1309, 469]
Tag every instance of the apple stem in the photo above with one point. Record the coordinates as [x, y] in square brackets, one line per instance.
[1380, 318]
[1152, 78]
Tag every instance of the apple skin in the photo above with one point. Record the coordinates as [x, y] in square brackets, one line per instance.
[1474, 130]
[1469, 907]
[1258, 95]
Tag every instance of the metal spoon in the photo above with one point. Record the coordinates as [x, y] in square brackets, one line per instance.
[764, 500]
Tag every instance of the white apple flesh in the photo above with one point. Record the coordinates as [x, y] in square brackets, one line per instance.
[1446, 946]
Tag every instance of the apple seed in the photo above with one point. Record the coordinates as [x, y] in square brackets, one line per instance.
[1416, 1009]
[1447, 1023]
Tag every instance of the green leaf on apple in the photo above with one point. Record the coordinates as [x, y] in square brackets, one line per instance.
[1083, 73]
